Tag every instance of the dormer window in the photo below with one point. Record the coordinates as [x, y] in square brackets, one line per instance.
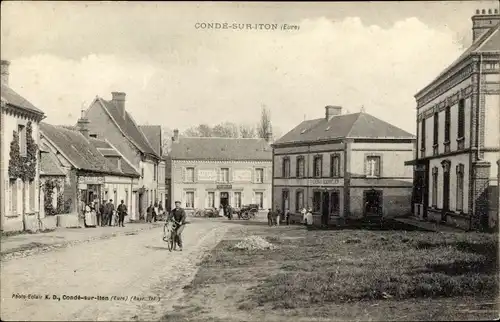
[93, 136]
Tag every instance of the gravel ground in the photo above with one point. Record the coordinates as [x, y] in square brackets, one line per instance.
[124, 266]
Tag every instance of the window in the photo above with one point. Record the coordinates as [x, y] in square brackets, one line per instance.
[190, 199]
[259, 199]
[21, 131]
[259, 175]
[142, 172]
[189, 175]
[436, 133]
[317, 201]
[211, 199]
[372, 166]
[93, 136]
[318, 166]
[224, 175]
[299, 200]
[286, 167]
[447, 124]
[434, 187]
[300, 167]
[32, 195]
[335, 202]
[461, 119]
[237, 199]
[335, 165]
[460, 187]
[422, 135]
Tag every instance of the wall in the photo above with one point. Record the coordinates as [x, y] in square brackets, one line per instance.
[11, 221]
[200, 187]
[396, 201]
[123, 187]
[492, 121]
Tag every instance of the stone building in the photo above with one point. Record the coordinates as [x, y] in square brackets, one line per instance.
[458, 130]
[110, 120]
[343, 165]
[19, 158]
[210, 172]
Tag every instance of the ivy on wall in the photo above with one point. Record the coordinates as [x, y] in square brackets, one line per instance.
[23, 167]
[48, 189]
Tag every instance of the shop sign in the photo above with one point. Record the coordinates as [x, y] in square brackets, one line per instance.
[82, 186]
[323, 181]
[207, 175]
[224, 186]
[242, 175]
[91, 180]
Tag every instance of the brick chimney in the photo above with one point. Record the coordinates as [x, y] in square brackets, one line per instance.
[83, 125]
[119, 101]
[482, 21]
[5, 72]
[331, 111]
[175, 138]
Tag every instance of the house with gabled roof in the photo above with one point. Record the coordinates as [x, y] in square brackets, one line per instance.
[211, 172]
[458, 129]
[110, 120]
[343, 166]
[19, 158]
[93, 169]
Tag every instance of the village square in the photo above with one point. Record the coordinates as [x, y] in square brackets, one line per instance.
[342, 215]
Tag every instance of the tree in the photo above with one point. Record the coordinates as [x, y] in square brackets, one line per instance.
[202, 130]
[225, 130]
[247, 131]
[265, 123]
[166, 140]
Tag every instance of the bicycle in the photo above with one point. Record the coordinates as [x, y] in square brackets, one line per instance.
[170, 233]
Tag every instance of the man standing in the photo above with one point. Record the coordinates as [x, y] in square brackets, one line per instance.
[277, 218]
[270, 216]
[102, 211]
[179, 216]
[122, 212]
[111, 210]
[149, 212]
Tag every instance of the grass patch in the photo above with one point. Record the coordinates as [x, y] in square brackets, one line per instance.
[371, 272]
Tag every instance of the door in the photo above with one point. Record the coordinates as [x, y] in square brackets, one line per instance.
[224, 199]
[372, 200]
[140, 207]
[325, 208]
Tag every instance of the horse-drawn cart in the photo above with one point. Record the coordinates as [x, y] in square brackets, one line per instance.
[247, 212]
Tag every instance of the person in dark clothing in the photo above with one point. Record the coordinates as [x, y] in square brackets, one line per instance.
[178, 215]
[122, 212]
[270, 217]
[111, 210]
[149, 213]
[103, 214]
[287, 217]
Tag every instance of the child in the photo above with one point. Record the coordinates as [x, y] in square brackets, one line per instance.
[309, 218]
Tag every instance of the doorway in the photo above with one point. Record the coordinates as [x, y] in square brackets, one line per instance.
[284, 200]
[446, 189]
[140, 207]
[325, 209]
[372, 201]
[224, 199]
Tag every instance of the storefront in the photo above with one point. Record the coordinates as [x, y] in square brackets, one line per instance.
[90, 189]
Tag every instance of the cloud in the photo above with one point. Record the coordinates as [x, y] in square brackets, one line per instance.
[228, 75]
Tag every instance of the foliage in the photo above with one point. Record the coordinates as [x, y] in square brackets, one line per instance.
[23, 167]
[264, 127]
[247, 131]
[225, 130]
[48, 189]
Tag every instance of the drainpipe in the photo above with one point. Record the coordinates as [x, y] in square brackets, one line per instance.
[307, 173]
[478, 138]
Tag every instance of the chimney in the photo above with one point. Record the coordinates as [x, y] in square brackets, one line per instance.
[331, 111]
[175, 138]
[119, 101]
[5, 72]
[83, 125]
[482, 21]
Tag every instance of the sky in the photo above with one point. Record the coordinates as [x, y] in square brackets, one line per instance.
[375, 55]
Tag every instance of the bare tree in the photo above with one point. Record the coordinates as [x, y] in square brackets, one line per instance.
[166, 140]
[202, 130]
[225, 130]
[247, 131]
[265, 123]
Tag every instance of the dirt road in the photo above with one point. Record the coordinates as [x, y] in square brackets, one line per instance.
[126, 278]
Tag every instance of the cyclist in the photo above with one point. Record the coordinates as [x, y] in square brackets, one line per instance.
[178, 216]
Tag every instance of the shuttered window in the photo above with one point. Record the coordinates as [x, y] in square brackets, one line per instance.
[190, 199]
[299, 200]
[335, 166]
[211, 199]
[460, 187]
[461, 118]
[372, 166]
[318, 166]
[300, 167]
[237, 199]
[434, 187]
[286, 167]
[189, 175]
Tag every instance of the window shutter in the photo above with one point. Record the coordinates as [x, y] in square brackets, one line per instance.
[377, 166]
[367, 166]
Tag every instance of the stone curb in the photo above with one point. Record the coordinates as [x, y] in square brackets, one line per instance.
[47, 248]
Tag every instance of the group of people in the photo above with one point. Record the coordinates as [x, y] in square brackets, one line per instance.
[104, 214]
[274, 217]
[153, 211]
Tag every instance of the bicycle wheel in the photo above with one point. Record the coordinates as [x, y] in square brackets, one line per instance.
[171, 242]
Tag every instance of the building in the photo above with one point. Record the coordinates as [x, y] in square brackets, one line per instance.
[455, 165]
[154, 135]
[93, 169]
[19, 158]
[110, 120]
[52, 182]
[343, 165]
[210, 172]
